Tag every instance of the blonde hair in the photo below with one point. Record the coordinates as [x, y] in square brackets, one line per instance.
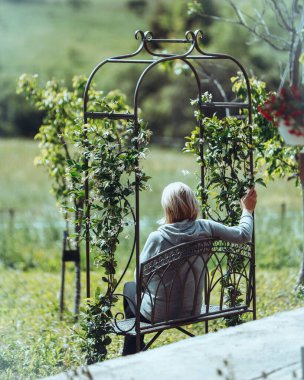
[179, 203]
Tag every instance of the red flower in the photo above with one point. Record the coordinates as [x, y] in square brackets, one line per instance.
[265, 113]
[283, 92]
[287, 106]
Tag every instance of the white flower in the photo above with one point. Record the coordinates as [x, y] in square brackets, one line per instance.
[185, 172]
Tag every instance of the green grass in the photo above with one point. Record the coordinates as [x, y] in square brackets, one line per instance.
[38, 224]
[27, 188]
[53, 39]
[34, 343]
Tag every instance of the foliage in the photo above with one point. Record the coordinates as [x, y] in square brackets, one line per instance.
[227, 140]
[61, 107]
[106, 154]
[224, 151]
[276, 23]
[227, 148]
[96, 328]
[273, 158]
[113, 149]
[137, 6]
[225, 160]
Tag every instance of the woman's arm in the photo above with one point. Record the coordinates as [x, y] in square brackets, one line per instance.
[243, 232]
[237, 234]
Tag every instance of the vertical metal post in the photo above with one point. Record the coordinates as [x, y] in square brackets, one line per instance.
[301, 174]
[87, 206]
[62, 289]
[253, 275]
[87, 234]
[137, 236]
[201, 145]
[77, 285]
[65, 234]
[251, 163]
[300, 280]
[138, 287]
[78, 217]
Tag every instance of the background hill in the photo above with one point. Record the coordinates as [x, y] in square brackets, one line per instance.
[62, 38]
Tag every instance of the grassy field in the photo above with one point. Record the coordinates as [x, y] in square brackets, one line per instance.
[34, 343]
[51, 38]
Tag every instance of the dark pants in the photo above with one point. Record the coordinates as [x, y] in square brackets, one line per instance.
[130, 312]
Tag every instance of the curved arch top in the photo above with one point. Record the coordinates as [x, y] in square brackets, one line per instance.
[145, 54]
[193, 52]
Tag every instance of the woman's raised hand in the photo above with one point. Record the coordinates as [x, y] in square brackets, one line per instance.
[248, 202]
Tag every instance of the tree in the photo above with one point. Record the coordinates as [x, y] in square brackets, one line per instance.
[284, 35]
[60, 107]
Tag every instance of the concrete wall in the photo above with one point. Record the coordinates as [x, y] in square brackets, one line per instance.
[268, 348]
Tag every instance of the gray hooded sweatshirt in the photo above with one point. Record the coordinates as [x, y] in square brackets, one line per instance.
[169, 235]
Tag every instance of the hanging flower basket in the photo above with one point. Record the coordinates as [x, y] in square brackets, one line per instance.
[291, 136]
[286, 111]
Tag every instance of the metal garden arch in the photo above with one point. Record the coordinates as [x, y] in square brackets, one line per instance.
[193, 53]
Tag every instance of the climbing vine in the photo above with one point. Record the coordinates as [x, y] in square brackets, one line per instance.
[227, 147]
[113, 151]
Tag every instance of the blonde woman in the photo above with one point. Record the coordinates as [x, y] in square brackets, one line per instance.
[181, 225]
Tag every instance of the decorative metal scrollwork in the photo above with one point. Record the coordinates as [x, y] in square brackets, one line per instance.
[139, 34]
[190, 36]
[119, 316]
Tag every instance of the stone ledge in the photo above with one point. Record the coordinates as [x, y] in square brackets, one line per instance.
[268, 347]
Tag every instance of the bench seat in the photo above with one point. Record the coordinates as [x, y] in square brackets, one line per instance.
[127, 326]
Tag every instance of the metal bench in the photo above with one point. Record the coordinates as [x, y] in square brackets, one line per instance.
[218, 274]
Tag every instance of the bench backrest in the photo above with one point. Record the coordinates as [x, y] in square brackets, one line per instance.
[186, 280]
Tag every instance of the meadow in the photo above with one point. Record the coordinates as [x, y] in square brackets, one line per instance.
[55, 39]
[34, 342]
